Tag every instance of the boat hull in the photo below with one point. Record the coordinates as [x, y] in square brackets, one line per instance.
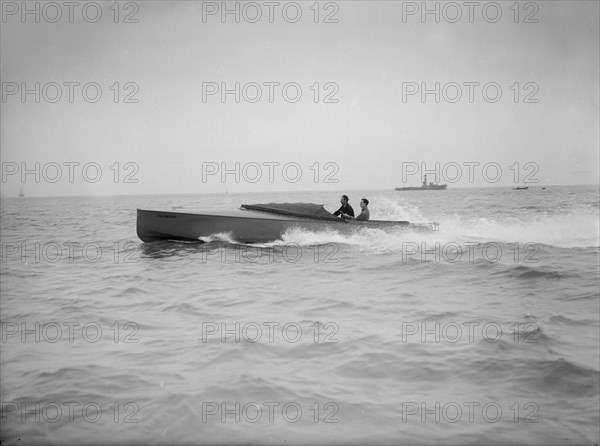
[241, 226]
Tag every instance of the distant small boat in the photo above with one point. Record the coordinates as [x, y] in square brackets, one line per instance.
[21, 194]
[424, 186]
[521, 188]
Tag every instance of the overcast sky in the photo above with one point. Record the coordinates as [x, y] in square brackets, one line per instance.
[369, 117]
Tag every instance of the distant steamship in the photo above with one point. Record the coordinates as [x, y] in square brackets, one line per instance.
[425, 186]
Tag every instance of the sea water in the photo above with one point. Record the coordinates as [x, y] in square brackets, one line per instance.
[486, 331]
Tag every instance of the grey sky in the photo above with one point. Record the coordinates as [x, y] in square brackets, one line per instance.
[367, 56]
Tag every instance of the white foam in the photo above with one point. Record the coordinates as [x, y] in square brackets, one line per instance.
[218, 237]
[579, 229]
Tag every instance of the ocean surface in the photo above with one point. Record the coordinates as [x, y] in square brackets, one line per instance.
[486, 331]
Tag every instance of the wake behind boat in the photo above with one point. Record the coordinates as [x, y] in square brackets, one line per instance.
[256, 223]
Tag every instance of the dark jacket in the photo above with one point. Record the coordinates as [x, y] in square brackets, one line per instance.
[344, 210]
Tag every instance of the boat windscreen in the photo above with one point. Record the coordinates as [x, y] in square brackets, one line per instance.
[304, 210]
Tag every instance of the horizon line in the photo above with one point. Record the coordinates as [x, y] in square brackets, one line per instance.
[3, 196]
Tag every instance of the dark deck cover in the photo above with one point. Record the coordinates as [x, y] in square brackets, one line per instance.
[303, 210]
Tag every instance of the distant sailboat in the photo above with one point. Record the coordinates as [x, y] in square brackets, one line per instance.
[21, 194]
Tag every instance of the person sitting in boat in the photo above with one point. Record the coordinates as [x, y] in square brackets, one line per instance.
[364, 213]
[345, 209]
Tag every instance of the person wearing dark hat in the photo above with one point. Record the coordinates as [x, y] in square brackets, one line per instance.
[345, 209]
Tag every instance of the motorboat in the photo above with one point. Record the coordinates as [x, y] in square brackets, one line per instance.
[256, 223]
[521, 188]
[424, 186]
